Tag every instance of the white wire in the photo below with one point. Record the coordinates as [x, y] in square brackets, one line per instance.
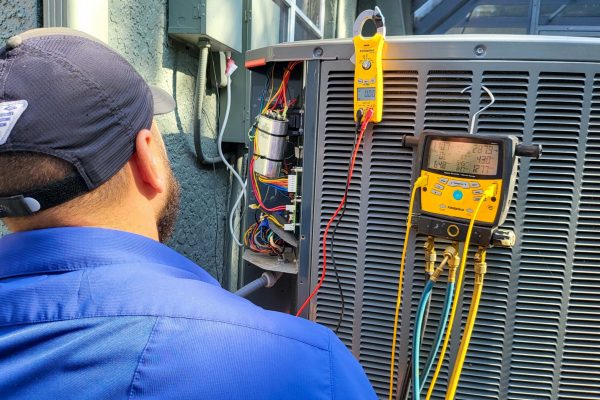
[229, 166]
[232, 216]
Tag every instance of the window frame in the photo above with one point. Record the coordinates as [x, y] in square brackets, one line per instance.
[291, 14]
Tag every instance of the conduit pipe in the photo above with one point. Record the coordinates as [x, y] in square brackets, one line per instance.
[199, 91]
[267, 279]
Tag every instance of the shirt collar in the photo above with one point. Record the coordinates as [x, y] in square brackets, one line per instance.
[66, 249]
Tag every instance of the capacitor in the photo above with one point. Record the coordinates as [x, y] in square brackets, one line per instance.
[271, 136]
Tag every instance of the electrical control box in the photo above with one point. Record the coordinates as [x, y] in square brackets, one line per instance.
[217, 21]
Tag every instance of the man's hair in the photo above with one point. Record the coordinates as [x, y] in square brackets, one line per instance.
[23, 171]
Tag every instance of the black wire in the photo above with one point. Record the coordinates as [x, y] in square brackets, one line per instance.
[406, 379]
[256, 216]
[332, 238]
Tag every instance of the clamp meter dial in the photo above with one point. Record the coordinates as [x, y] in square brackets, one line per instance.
[458, 169]
[368, 69]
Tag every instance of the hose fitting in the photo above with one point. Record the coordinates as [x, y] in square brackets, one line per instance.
[451, 251]
[421, 181]
[490, 191]
[438, 271]
[453, 261]
[480, 264]
[450, 257]
[430, 255]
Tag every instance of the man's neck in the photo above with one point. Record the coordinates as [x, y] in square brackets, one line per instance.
[140, 225]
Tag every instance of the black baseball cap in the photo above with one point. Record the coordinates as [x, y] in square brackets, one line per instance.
[66, 94]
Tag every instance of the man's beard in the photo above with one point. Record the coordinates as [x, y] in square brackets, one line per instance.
[168, 215]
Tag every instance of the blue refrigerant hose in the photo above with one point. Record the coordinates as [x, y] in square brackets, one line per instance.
[440, 333]
[417, 339]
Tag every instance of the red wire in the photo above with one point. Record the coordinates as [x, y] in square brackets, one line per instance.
[282, 95]
[363, 127]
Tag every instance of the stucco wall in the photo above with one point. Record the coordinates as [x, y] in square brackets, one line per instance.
[17, 16]
[138, 31]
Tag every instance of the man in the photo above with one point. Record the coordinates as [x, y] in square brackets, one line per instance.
[92, 306]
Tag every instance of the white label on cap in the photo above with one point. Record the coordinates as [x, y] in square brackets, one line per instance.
[10, 112]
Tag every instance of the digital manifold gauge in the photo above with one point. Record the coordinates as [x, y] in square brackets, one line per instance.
[458, 169]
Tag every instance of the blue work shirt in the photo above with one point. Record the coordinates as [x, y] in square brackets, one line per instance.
[89, 313]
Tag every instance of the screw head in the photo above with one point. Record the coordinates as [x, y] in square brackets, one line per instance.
[480, 50]
[318, 52]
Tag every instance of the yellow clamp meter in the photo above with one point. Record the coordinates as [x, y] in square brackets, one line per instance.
[368, 69]
[458, 168]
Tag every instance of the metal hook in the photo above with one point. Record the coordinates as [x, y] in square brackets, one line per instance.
[474, 117]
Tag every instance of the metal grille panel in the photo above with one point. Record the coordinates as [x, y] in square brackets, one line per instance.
[537, 330]
[580, 368]
[337, 150]
[482, 371]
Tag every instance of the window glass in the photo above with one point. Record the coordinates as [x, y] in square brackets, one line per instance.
[494, 16]
[556, 17]
[311, 8]
[570, 13]
[266, 16]
[302, 32]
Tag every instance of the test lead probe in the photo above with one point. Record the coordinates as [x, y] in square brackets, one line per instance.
[368, 107]
[359, 118]
[365, 122]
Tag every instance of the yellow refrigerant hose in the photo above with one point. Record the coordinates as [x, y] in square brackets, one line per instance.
[480, 269]
[421, 181]
[489, 192]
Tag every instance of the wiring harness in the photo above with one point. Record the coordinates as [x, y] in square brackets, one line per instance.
[259, 237]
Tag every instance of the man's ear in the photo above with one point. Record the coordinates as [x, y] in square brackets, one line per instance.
[148, 162]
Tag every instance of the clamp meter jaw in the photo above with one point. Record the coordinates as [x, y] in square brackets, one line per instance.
[458, 169]
[368, 69]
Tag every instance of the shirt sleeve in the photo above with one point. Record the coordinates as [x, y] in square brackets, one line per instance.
[348, 379]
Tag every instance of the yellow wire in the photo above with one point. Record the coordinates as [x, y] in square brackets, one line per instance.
[274, 181]
[275, 221]
[461, 272]
[271, 100]
[464, 345]
[418, 183]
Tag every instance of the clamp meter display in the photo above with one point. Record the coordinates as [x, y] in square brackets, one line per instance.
[458, 168]
[368, 70]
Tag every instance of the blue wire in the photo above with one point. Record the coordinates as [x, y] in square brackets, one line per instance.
[282, 189]
[440, 332]
[417, 339]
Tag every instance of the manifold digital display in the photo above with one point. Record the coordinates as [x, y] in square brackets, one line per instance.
[469, 158]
